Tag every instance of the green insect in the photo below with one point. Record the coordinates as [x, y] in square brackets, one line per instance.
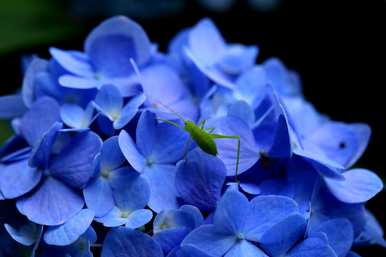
[202, 137]
[205, 139]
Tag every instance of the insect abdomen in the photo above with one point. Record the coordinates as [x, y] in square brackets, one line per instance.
[202, 138]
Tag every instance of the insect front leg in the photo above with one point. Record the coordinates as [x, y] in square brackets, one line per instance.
[219, 136]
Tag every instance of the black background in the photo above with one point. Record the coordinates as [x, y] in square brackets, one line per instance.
[336, 46]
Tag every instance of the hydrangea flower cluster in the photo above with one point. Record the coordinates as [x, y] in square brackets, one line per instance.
[100, 160]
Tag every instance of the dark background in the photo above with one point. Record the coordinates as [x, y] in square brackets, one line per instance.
[336, 46]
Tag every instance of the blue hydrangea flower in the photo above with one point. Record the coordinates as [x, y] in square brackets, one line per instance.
[296, 192]
[238, 224]
[154, 154]
[106, 58]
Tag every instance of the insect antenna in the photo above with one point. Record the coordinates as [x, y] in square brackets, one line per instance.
[137, 72]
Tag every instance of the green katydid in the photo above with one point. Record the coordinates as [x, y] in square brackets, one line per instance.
[204, 139]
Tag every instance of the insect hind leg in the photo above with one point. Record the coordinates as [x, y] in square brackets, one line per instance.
[219, 136]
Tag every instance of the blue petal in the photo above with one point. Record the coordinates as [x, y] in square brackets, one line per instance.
[209, 240]
[41, 153]
[238, 58]
[40, 117]
[170, 238]
[358, 186]
[53, 203]
[129, 111]
[164, 87]
[312, 247]
[276, 242]
[17, 179]
[139, 218]
[265, 212]
[11, 106]
[187, 251]
[372, 232]
[71, 230]
[124, 242]
[161, 179]
[70, 81]
[74, 62]
[74, 164]
[199, 179]
[227, 148]
[99, 197]
[343, 143]
[109, 101]
[130, 190]
[114, 218]
[251, 86]
[75, 117]
[26, 234]
[231, 212]
[35, 67]
[243, 111]
[111, 155]
[154, 140]
[245, 249]
[340, 235]
[214, 47]
[111, 45]
[130, 151]
[213, 73]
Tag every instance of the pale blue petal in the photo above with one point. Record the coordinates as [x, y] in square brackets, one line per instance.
[71, 230]
[129, 111]
[164, 87]
[109, 101]
[75, 117]
[227, 148]
[358, 186]
[139, 218]
[75, 63]
[71, 81]
[238, 58]
[53, 203]
[161, 179]
[343, 143]
[214, 47]
[114, 218]
[130, 151]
